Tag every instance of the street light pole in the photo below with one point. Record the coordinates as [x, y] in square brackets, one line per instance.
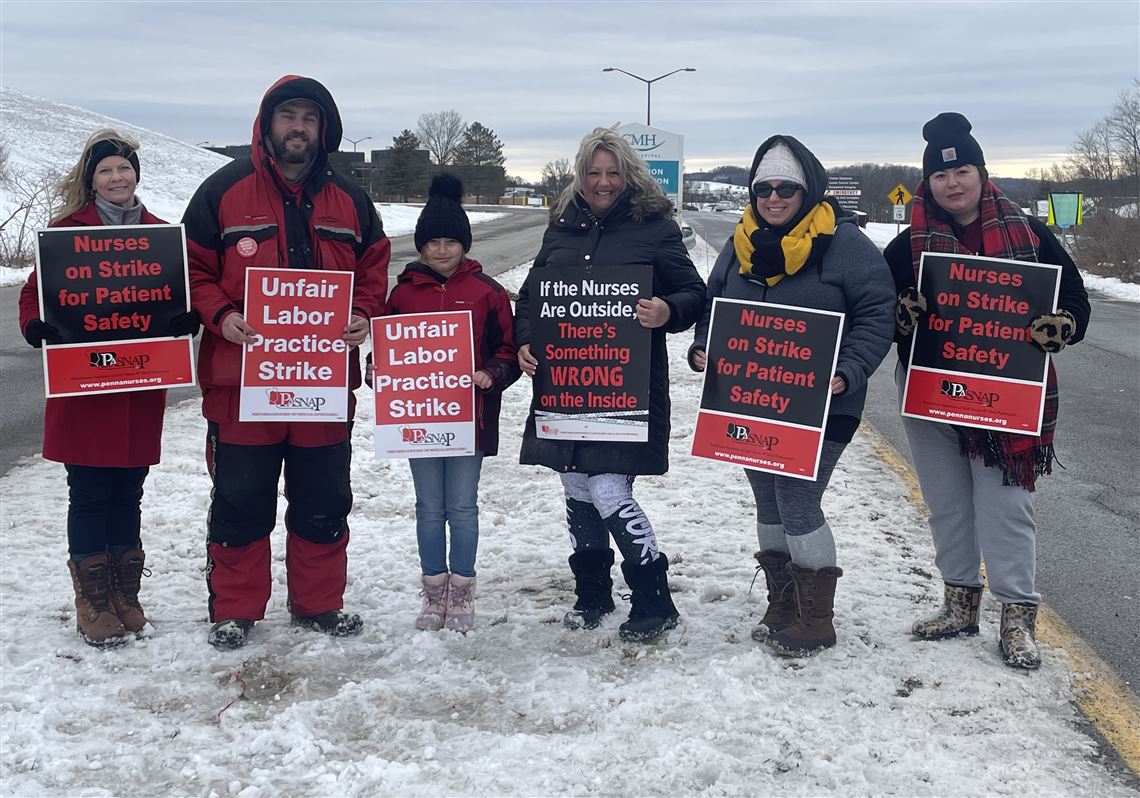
[649, 84]
[356, 141]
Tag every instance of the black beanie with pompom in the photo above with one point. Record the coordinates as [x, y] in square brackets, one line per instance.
[443, 215]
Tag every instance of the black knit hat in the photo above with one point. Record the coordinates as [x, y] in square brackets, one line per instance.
[443, 215]
[949, 144]
[105, 149]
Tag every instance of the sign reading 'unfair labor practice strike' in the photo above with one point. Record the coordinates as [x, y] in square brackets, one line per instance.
[972, 361]
[112, 292]
[422, 381]
[297, 370]
[592, 381]
[767, 386]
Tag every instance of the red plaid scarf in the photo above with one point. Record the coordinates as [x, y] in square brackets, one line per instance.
[1005, 234]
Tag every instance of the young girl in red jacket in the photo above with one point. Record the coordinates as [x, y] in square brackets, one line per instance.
[444, 278]
[107, 442]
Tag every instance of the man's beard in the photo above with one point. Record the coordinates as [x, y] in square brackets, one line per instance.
[286, 155]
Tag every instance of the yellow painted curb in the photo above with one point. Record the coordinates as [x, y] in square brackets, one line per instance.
[1103, 696]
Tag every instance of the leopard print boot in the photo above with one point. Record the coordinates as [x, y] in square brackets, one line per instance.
[1018, 645]
[958, 616]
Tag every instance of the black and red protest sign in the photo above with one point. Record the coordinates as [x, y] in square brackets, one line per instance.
[112, 292]
[972, 360]
[767, 386]
[592, 381]
[297, 370]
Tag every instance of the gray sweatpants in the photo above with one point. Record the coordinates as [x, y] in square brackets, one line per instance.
[972, 515]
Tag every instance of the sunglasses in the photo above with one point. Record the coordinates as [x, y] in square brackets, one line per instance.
[784, 190]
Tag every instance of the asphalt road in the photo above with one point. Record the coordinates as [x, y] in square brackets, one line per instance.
[1088, 513]
[499, 245]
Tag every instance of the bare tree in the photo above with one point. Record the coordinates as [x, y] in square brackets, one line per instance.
[34, 202]
[1092, 157]
[1124, 128]
[441, 132]
[556, 175]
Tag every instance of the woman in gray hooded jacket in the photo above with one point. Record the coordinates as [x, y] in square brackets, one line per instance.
[796, 247]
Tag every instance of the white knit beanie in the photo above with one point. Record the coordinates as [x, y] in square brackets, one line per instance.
[779, 163]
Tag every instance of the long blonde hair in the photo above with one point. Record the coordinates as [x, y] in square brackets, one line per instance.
[72, 189]
[630, 165]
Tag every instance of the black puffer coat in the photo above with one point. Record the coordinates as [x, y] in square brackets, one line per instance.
[637, 230]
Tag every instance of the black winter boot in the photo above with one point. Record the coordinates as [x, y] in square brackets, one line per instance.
[593, 586]
[652, 612]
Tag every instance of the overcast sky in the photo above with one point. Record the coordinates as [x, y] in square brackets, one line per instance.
[855, 81]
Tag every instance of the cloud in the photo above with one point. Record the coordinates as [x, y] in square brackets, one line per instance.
[853, 80]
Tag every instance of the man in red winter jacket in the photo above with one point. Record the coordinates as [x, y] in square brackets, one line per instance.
[283, 207]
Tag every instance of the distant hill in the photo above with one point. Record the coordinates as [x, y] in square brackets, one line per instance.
[43, 136]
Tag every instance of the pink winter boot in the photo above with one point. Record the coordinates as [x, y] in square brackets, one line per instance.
[460, 603]
[435, 602]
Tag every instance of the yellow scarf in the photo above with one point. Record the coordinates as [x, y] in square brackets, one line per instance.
[756, 246]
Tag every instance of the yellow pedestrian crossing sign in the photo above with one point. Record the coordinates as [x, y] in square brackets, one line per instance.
[899, 195]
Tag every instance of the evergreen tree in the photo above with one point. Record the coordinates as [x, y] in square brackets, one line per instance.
[404, 172]
[479, 161]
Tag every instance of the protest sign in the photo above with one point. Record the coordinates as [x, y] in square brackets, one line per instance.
[298, 368]
[972, 361]
[592, 381]
[112, 292]
[422, 384]
[767, 386]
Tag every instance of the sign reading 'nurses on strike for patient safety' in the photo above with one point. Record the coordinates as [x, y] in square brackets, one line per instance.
[767, 386]
[297, 370]
[423, 369]
[112, 292]
[972, 360]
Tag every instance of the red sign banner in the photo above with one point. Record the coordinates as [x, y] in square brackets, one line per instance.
[972, 361]
[298, 368]
[423, 369]
[767, 386]
[112, 292]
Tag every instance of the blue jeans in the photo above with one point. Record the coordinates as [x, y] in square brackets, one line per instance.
[447, 490]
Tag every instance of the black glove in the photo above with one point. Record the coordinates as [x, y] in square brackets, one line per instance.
[39, 332]
[187, 323]
[368, 369]
[1053, 330]
[909, 307]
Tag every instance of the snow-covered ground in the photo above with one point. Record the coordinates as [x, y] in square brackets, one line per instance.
[521, 706]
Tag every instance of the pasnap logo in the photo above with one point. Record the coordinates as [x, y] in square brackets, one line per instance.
[739, 432]
[113, 360]
[279, 398]
[420, 436]
[960, 392]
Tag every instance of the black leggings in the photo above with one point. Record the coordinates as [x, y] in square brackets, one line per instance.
[104, 509]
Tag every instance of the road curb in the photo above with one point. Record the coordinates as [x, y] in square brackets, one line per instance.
[1102, 696]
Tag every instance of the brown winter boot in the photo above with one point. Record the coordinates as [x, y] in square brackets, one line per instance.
[1018, 644]
[815, 598]
[94, 616]
[781, 612]
[958, 616]
[125, 577]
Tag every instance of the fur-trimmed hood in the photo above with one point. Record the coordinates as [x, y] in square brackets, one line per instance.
[640, 207]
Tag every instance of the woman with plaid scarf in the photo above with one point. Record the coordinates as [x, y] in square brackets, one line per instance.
[979, 484]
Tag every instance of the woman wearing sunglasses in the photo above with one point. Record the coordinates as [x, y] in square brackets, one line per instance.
[796, 247]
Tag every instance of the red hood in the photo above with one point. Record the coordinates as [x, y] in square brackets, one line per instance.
[292, 87]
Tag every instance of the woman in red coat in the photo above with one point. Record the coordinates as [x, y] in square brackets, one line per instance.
[107, 442]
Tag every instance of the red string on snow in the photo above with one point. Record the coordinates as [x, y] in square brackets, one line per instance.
[236, 676]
